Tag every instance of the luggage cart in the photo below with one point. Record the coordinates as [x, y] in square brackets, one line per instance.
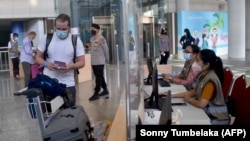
[67, 124]
[42, 110]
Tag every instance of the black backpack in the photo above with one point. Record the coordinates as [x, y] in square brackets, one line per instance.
[48, 40]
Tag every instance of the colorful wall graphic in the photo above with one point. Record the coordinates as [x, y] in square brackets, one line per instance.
[209, 28]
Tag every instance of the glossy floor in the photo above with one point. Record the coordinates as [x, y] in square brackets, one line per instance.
[16, 125]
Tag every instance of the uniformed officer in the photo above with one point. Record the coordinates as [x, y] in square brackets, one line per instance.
[99, 57]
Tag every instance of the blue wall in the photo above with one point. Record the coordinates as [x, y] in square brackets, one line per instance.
[203, 23]
[17, 27]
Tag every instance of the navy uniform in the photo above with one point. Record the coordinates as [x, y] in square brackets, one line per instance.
[99, 57]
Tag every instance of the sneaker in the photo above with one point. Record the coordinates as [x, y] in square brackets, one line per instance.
[94, 97]
[17, 93]
[104, 92]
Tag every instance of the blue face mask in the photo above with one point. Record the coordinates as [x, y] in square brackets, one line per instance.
[187, 56]
[62, 34]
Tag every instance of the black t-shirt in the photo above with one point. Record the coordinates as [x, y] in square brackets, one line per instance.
[187, 41]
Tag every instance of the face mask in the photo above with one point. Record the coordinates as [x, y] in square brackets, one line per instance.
[197, 66]
[93, 32]
[16, 39]
[62, 34]
[187, 56]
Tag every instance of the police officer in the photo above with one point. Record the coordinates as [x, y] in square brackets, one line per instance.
[99, 56]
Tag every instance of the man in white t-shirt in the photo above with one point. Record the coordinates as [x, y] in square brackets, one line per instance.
[61, 49]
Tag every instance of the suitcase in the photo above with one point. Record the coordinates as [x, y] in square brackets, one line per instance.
[71, 124]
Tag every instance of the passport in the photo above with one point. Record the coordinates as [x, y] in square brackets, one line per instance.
[59, 64]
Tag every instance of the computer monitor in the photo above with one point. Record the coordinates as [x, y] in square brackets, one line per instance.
[166, 112]
[153, 101]
[148, 80]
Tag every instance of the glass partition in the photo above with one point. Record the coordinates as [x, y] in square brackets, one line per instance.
[132, 28]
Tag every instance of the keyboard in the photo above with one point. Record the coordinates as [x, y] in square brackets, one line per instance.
[163, 83]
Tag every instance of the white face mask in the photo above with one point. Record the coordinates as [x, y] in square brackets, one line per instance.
[197, 66]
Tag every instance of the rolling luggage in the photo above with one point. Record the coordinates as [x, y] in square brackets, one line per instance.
[71, 124]
[57, 124]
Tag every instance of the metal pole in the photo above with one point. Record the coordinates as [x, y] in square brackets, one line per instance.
[126, 58]
[117, 56]
[148, 50]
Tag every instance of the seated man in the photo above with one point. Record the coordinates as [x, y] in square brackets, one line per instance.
[190, 70]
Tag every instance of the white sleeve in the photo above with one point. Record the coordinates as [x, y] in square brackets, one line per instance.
[41, 46]
[79, 47]
[9, 45]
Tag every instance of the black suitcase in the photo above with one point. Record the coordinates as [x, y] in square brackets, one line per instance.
[71, 124]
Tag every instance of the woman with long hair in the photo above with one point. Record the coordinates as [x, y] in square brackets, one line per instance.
[208, 92]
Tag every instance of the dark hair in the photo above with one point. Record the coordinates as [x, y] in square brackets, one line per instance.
[32, 33]
[208, 56]
[188, 32]
[63, 18]
[15, 35]
[96, 26]
[195, 49]
[164, 31]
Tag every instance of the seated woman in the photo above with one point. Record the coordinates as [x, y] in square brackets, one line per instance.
[208, 92]
[190, 70]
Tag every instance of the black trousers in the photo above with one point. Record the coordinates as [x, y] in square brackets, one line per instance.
[99, 78]
[164, 59]
[15, 63]
[73, 91]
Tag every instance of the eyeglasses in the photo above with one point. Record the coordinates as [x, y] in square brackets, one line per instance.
[187, 52]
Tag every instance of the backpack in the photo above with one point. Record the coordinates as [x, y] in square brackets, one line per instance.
[48, 40]
[51, 88]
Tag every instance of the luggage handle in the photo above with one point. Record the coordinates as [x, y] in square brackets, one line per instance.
[89, 136]
[68, 115]
[74, 130]
[89, 126]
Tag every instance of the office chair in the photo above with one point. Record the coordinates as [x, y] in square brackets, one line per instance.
[235, 94]
[242, 116]
[227, 83]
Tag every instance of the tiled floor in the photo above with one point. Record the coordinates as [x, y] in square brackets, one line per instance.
[16, 125]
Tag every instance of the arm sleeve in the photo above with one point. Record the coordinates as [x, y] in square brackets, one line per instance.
[9, 45]
[190, 78]
[208, 91]
[27, 47]
[182, 38]
[160, 44]
[79, 47]
[105, 49]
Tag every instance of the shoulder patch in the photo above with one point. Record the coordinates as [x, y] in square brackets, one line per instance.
[103, 41]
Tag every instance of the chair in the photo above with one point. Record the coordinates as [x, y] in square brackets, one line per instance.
[227, 83]
[238, 88]
[243, 115]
